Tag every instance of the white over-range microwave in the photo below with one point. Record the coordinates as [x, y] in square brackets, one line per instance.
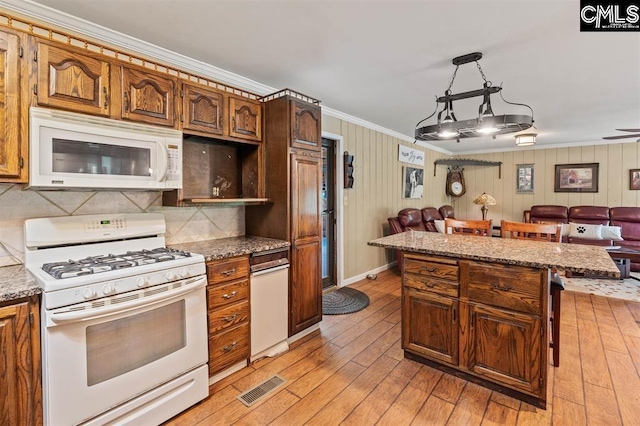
[77, 151]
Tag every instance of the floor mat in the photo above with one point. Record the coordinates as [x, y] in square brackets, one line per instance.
[345, 300]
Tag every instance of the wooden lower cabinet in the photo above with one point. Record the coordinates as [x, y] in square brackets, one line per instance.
[20, 385]
[305, 288]
[228, 312]
[505, 347]
[481, 320]
[431, 326]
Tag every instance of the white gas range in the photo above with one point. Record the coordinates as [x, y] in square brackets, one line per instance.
[124, 329]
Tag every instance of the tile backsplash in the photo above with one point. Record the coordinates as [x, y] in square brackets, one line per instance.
[184, 224]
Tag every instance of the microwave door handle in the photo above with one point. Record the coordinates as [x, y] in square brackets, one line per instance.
[165, 162]
[118, 308]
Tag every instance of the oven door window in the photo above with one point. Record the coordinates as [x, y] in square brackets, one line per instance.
[119, 346]
[71, 156]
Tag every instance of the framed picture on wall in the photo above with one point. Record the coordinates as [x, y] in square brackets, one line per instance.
[524, 178]
[576, 177]
[413, 181]
[634, 179]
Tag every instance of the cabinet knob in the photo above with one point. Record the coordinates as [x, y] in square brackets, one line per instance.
[499, 287]
[229, 296]
[229, 272]
[230, 347]
[126, 102]
[231, 318]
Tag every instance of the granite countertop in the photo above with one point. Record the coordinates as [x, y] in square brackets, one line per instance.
[230, 247]
[577, 258]
[16, 283]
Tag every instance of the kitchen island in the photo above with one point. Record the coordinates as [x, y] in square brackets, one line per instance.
[479, 307]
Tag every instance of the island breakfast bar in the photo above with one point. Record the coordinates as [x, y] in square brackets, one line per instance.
[478, 307]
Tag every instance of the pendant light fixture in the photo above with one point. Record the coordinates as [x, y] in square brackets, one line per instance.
[486, 124]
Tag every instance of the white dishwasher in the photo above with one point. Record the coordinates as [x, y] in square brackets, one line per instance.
[269, 299]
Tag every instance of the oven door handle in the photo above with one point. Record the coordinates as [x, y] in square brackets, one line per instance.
[85, 315]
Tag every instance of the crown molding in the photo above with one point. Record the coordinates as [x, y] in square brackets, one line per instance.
[82, 27]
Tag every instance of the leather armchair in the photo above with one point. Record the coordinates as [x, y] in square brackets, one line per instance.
[446, 212]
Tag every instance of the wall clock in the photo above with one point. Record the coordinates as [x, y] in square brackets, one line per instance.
[455, 182]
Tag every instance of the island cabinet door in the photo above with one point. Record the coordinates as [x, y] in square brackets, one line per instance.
[504, 347]
[430, 326]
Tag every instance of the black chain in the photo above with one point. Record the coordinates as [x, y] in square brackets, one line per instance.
[453, 77]
[482, 74]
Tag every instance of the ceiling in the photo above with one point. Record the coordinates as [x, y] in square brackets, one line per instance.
[386, 61]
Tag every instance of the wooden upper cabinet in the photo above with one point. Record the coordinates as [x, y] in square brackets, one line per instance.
[306, 182]
[147, 97]
[202, 110]
[10, 135]
[306, 130]
[72, 81]
[245, 119]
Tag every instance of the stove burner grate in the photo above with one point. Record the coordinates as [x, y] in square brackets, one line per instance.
[111, 262]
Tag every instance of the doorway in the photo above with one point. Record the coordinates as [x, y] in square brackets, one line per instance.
[328, 205]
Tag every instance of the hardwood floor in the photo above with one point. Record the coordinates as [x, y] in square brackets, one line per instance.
[352, 371]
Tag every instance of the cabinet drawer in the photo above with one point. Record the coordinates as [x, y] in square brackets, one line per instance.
[225, 294]
[228, 348]
[227, 270]
[432, 285]
[220, 319]
[431, 269]
[505, 286]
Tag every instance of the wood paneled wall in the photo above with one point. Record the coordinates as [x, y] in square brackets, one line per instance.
[613, 190]
[377, 191]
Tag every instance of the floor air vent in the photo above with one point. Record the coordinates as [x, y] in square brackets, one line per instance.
[254, 395]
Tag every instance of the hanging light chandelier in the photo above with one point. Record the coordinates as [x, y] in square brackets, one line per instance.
[485, 124]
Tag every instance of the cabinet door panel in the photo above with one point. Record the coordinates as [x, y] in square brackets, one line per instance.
[147, 97]
[305, 296]
[73, 81]
[505, 347]
[203, 110]
[306, 130]
[430, 326]
[9, 106]
[16, 404]
[246, 119]
[306, 175]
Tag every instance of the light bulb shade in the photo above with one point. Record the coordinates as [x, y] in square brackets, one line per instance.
[485, 200]
[526, 139]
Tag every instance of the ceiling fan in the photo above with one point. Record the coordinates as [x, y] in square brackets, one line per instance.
[610, 138]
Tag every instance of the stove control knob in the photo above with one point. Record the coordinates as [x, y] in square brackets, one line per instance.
[88, 293]
[183, 272]
[108, 288]
[141, 282]
[169, 275]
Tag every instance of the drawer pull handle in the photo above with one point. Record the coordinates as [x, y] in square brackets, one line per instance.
[229, 272]
[454, 315]
[229, 296]
[431, 269]
[501, 288]
[231, 318]
[430, 285]
[230, 347]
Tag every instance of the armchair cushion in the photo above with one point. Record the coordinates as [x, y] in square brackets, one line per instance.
[549, 214]
[589, 214]
[411, 218]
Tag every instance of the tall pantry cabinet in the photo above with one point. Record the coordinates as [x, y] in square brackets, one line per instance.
[293, 176]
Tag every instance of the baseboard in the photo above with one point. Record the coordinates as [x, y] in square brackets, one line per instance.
[303, 333]
[364, 274]
[227, 372]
